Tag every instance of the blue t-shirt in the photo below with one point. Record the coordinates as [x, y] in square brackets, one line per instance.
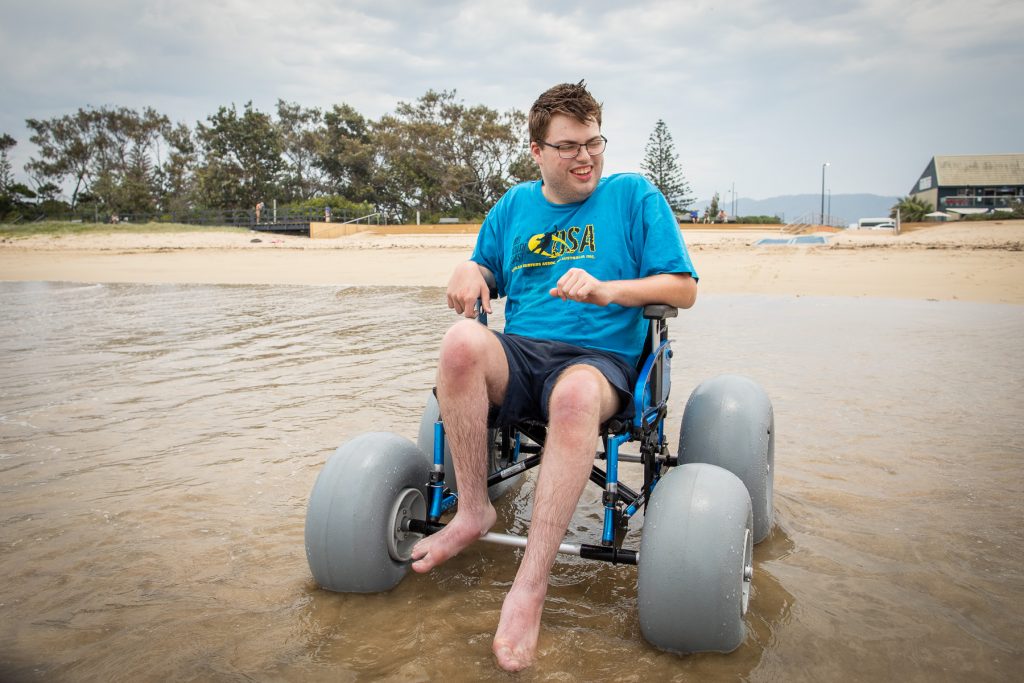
[625, 230]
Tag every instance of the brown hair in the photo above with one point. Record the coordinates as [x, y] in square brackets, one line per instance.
[566, 98]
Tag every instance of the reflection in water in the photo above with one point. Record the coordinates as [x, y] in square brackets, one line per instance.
[158, 443]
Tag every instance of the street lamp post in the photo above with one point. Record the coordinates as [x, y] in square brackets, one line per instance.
[823, 191]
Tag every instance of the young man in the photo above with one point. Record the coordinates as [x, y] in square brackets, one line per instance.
[577, 257]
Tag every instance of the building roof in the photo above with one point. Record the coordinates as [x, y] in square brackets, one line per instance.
[980, 169]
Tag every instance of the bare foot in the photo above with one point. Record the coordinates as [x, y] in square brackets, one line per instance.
[453, 539]
[515, 642]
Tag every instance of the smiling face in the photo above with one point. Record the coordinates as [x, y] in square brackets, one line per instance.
[567, 181]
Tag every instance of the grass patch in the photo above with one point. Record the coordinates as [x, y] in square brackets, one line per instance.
[62, 228]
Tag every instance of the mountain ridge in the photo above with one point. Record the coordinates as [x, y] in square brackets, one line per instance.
[843, 208]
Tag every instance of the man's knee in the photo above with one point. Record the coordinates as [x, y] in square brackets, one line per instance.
[470, 351]
[581, 394]
[465, 344]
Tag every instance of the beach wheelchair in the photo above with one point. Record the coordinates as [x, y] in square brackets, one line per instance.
[704, 506]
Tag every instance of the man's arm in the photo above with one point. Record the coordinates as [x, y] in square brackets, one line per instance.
[466, 285]
[674, 289]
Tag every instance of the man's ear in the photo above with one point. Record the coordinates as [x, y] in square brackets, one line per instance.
[535, 151]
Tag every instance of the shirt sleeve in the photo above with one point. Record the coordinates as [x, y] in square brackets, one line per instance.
[663, 248]
[489, 251]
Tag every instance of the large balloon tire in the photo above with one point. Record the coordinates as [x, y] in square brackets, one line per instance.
[729, 422]
[425, 441]
[696, 561]
[365, 489]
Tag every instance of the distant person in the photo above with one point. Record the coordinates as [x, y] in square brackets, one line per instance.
[327, 214]
[694, 215]
[259, 210]
[114, 218]
[707, 216]
[721, 216]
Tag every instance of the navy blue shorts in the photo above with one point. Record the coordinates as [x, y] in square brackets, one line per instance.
[535, 364]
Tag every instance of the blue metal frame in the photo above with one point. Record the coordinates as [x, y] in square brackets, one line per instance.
[644, 412]
[650, 396]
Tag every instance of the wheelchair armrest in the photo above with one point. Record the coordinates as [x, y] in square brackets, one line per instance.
[660, 311]
[492, 284]
[492, 287]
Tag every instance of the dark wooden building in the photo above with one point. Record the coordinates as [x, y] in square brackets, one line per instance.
[971, 184]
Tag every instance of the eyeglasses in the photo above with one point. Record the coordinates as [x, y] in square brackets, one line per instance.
[571, 150]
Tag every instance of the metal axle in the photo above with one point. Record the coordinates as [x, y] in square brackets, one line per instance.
[584, 550]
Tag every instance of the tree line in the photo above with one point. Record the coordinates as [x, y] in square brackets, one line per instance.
[434, 157]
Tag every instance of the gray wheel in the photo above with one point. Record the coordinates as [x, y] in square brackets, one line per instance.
[425, 440]
[729, 422]
[696, 561]
[354, 540]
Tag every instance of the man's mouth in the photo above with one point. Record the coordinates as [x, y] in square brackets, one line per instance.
[582, 171]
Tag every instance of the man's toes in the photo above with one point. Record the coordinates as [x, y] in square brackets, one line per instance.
[509, 659]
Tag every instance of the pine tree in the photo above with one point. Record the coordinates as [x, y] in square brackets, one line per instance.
[713, 207]
[6, 177]
[661, 167]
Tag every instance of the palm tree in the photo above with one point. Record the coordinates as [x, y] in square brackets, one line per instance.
[912, 209]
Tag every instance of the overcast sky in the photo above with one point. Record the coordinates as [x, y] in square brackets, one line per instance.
[756, 93]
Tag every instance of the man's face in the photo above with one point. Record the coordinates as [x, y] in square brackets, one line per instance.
[568, 180]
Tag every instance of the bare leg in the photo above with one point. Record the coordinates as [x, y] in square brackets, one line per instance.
[580, 401]
[471, 374]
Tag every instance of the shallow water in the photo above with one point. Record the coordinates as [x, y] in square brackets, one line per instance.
[158, 444]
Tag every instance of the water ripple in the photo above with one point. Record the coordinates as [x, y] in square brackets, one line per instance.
[158, 443]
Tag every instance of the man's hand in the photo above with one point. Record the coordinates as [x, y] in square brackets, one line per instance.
[579, 285]
[674, 289]
[465, 286]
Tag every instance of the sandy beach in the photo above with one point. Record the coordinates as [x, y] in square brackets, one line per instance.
[981, 261]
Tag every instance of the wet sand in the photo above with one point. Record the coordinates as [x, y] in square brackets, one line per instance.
[969, 262]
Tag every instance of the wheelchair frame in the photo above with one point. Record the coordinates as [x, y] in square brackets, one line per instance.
[693, 585]
[620, 502]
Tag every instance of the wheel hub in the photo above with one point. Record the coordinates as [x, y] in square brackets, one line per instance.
[408, 505]
[748, 570]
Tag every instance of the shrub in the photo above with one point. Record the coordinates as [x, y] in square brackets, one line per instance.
[759, 220]
[339, 206]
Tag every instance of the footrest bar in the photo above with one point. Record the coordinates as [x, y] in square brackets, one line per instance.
[584, 550]
[520, 542]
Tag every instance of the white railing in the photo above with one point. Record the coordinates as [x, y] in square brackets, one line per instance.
[369, 215]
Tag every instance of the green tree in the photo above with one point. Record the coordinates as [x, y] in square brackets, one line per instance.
[912, 209]
[492, 155]
[341, 207]
[138, 190]
[347, 155]
[6, 175]
[661, 166]
[176, 175]
[712, 209]
[241, 158]
[126, 143]
[66, 150]
[302, 135]
[441, 157]
[7, 197]
[107, 153]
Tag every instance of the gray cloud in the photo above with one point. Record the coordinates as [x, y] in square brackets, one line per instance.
[755, 92]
